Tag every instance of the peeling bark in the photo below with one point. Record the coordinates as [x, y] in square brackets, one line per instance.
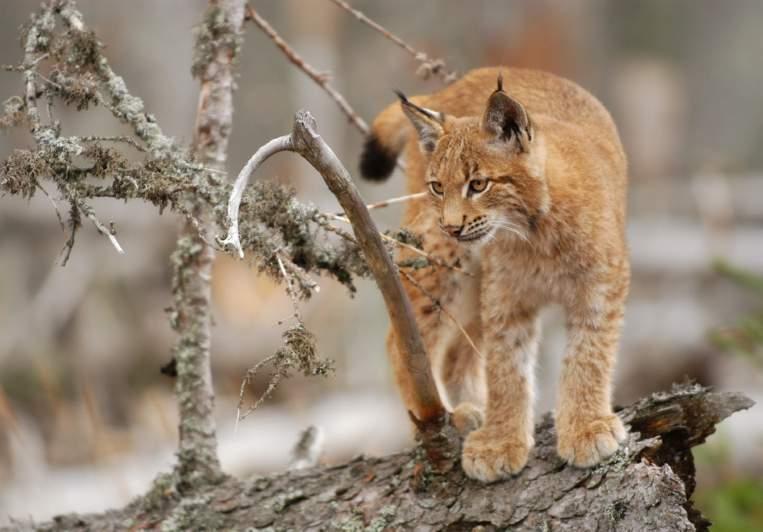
[646, 485]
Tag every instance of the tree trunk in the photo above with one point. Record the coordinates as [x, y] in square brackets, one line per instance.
[644, 486]
[217, 45]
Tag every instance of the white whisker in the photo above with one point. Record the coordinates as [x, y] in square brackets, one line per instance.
[511, 228]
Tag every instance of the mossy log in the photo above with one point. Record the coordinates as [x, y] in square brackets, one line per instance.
[646, 485]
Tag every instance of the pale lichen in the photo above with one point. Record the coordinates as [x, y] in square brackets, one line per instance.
[14, 110]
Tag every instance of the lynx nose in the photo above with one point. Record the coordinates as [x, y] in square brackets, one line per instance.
[453, 230]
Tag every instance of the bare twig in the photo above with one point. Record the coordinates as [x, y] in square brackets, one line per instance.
[398, 199]
[305, 140]
[434, 260]
[264, 152]
[437, 303]
[321, 79]
[300, 274]
[289, 286]
[392, 201]
[55, 207]
[87, 210]
[427, 65]
[250, 373]
[75, 222]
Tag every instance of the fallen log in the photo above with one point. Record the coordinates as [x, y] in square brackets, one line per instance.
[646, 485]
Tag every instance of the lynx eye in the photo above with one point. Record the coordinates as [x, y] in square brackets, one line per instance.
[478, 185]
[436, 188]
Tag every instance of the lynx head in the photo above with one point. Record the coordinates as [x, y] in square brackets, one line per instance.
[485, 174]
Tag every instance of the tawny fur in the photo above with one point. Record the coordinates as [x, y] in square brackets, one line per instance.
[552, 231]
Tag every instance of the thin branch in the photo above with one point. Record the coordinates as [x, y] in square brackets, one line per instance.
[427, 65]
[87, 210]
[321, 79]
[250, 373]
[434, 260]
[31, 59]
[392, 201]
[120, 102]
[55, 207]
[75, 222]
[305, 140]
[44, 135]
[125, 139]
[437, 303]
[263, 153]
[300, 274]
[398, 199]
[289, 287]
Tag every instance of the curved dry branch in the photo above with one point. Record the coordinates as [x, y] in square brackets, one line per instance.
[305, 140]
[234, 203]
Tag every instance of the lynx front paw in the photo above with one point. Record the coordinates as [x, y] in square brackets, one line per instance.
[491, 454]
[467, 417]
[586, 443]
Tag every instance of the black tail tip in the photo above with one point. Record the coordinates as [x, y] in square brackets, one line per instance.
[376, 162]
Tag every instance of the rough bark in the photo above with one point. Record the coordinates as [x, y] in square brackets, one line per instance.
[217, 45]
[645, 486]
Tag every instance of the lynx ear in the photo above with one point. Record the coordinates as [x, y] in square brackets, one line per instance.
[428, 123]
[506, 119]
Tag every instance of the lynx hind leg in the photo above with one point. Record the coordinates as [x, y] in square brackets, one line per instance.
[467, 417]
[425, 287]
[462, 376]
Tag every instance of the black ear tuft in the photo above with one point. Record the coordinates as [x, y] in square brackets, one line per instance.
[500, 82]
[403, 97]
[376, 162]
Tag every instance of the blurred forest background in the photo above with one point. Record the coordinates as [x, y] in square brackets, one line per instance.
[86, 418]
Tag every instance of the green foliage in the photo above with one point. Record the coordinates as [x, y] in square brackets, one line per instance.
[744, 338]
[736, 505]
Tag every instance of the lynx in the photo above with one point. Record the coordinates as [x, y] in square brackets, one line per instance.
[526, 192]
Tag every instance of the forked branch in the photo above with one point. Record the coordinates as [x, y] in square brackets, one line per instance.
[305, 140]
